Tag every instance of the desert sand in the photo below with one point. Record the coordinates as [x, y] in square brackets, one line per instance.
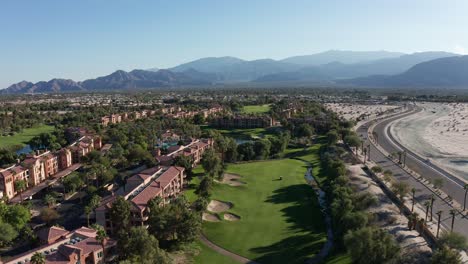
[439, 132]
[355, 111]
[216, 206]
[231, 217]
[210, 217]
[232, 179]
[389, 217]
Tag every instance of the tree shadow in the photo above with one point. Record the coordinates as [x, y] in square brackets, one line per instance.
[306, 226]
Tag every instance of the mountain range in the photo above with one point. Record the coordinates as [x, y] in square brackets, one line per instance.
[373, 68]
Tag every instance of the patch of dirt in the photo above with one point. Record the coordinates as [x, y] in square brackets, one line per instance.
[216, 206]
[232, 179]
[210, 217]
[231, 217]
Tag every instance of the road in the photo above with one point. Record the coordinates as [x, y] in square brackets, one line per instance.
[451, 184]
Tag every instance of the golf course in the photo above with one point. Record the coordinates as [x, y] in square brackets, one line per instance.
[21, 138]
[256, 109]
[277, 217]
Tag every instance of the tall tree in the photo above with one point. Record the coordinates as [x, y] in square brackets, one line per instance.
[141, 247]
[120, 213]
[38, 258]
[101, 237]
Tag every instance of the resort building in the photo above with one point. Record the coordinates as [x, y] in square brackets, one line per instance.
[163, 182]
[35, 169]
[194, 149]
[64, 247]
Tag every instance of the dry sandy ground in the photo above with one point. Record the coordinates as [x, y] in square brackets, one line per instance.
[216, 206]
[353, 111]
[232, 179]
[210, 217]
[439, 132]
[231, 217]
[389, 216]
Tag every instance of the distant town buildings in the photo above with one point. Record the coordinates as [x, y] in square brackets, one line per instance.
[171, 111]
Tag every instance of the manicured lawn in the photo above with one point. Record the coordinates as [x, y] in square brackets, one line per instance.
[256, 109]
[280, 219]
[209, 256]
[23, 137]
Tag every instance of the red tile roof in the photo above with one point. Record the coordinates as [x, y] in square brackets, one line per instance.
[169, 175]
[142, 199]
[52, 233]
[151, 171]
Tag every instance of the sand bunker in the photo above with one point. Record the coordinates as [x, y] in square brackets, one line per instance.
[232, 179]
[216, 206]
[210, 217]
[231, 217]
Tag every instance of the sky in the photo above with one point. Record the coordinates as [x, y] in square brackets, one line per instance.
[81, 39]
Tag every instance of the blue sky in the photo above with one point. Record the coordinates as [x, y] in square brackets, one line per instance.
[80, 39]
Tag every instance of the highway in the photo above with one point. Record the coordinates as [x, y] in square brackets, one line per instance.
[452, 185]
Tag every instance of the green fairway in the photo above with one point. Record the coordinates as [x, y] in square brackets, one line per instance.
[23, 137]
[208, 256]
[280, 219]
[256, 109]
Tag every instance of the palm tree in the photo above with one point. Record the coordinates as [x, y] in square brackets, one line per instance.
[432, 205]
[101, 237]
[365, 155]
[439, 215]
[49, 200]
[466, 192]
[413, 192]
[38, 258]
[20, 186]
[368, 152]
[88, 211]
[400, 154]
[427, 204]
[453, 213]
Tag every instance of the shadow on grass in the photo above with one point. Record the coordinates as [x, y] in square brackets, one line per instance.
[306, 226]
[294, 249]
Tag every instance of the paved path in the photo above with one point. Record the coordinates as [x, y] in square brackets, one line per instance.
[423, 193]
[225, 252]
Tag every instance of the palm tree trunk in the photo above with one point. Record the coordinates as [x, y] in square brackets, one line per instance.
[464, 201]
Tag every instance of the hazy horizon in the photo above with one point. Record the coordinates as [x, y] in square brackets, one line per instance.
[82, 40]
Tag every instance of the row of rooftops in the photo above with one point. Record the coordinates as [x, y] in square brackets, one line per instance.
[63, 246]
[144, 186]
[175, 112]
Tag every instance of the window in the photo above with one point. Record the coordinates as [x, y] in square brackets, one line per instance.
[99, 254]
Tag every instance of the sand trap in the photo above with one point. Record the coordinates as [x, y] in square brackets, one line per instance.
[210, 217]
[231, 217]
[216, 206]
[232, 179]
